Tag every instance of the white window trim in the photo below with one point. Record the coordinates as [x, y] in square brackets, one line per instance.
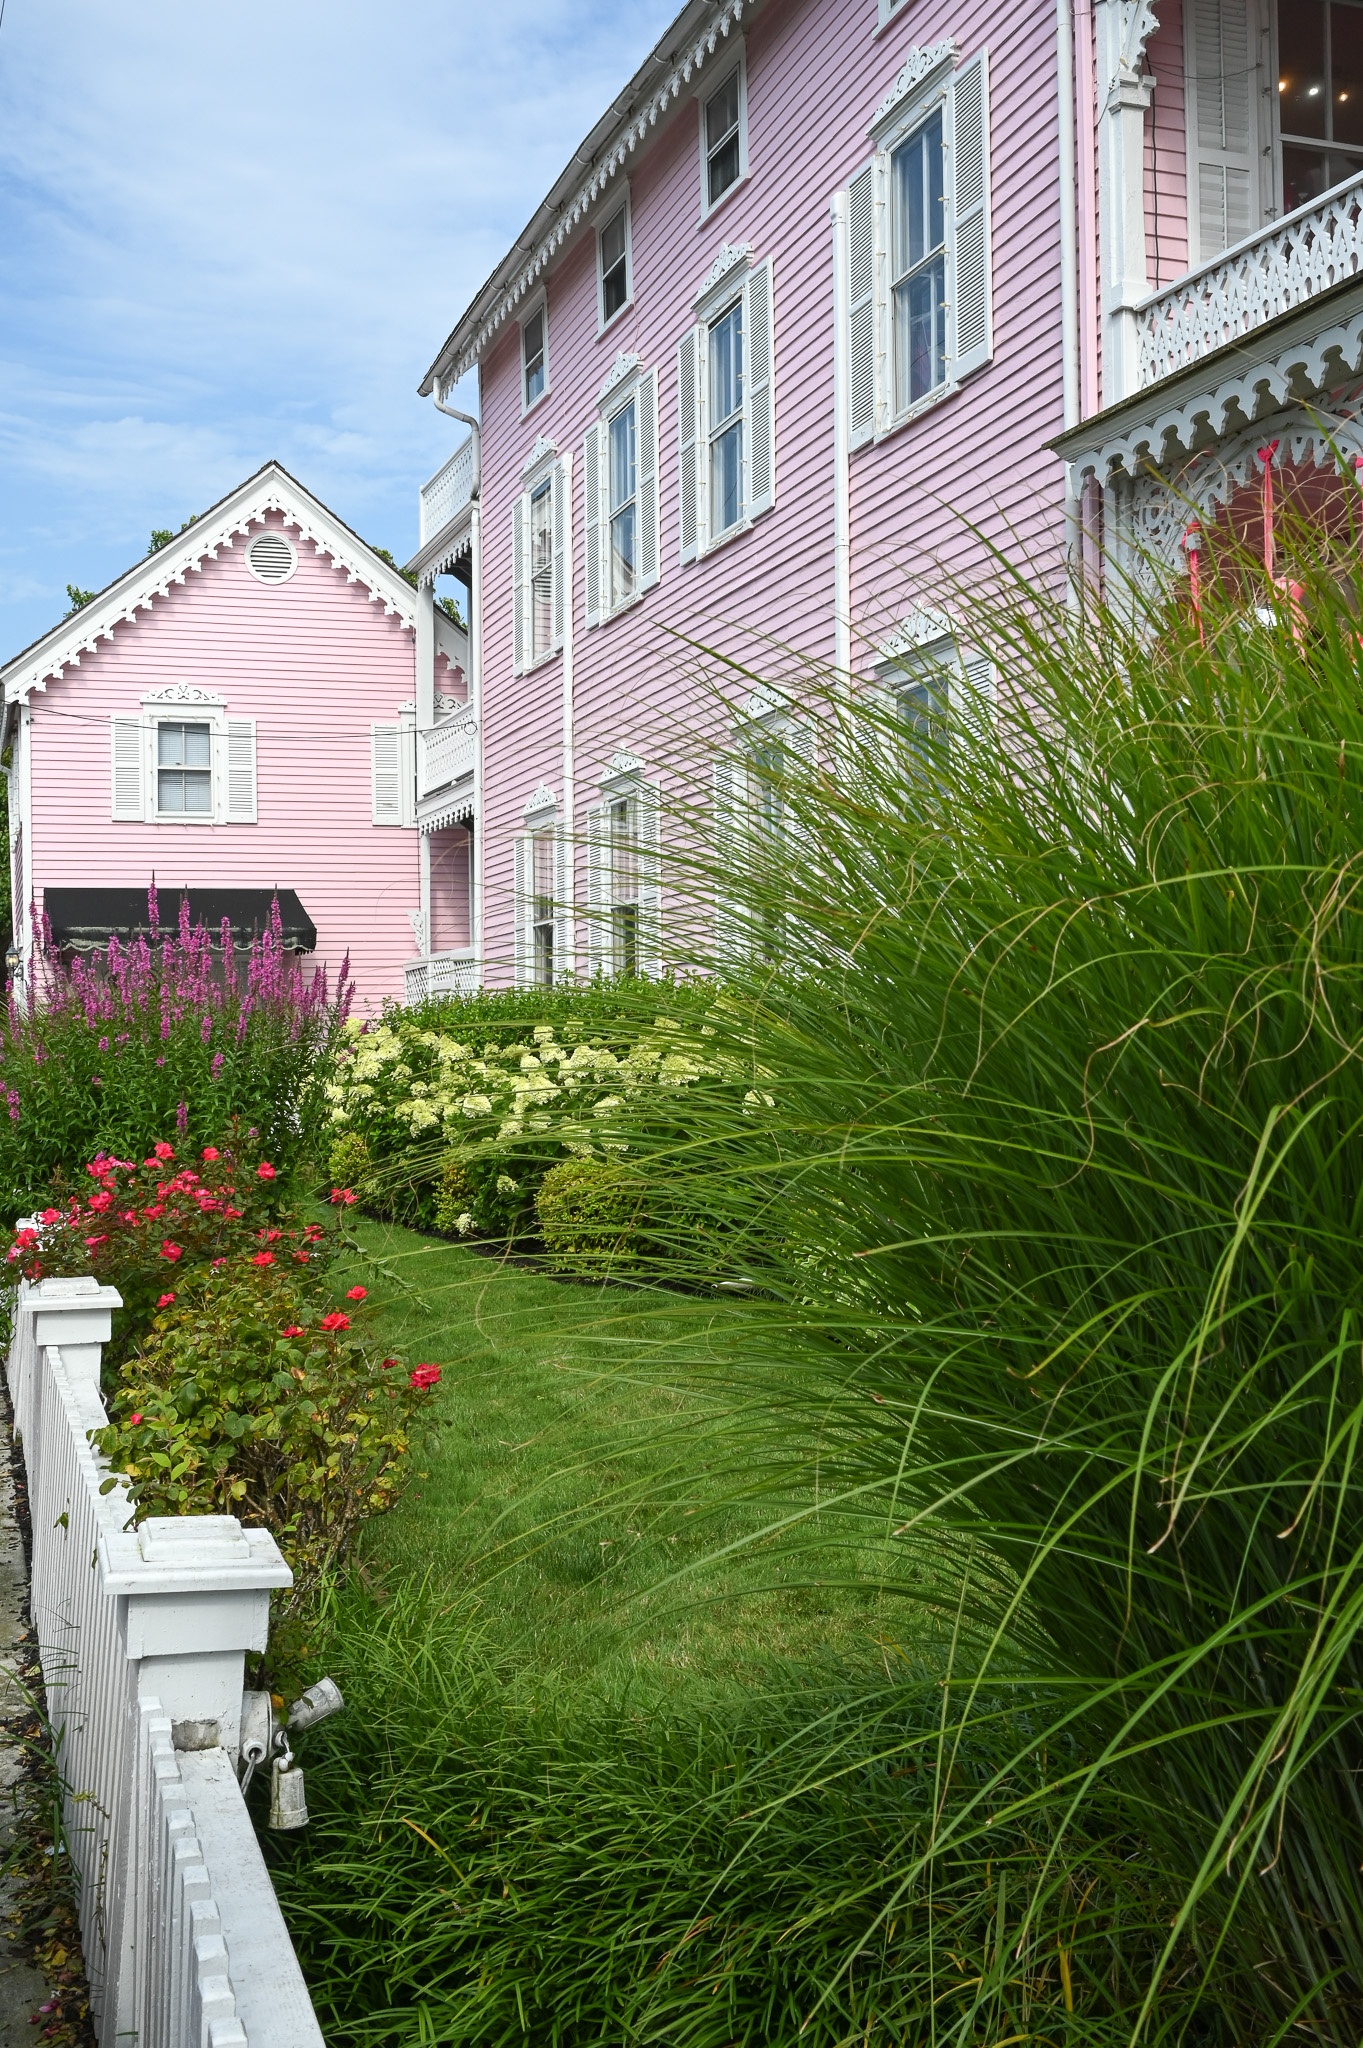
[706, 90]
[890, 12]
[542, 814]
[538, 304]
[926, 84]
[724, 285]
[184, 704]
[540, 468]
[608, 214]
[620, 389]
[625, 780]
[928, 641]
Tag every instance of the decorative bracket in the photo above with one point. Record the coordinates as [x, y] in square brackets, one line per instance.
[624, 367]
[183, 693]
[733, 256]
[544, 450]
[542, 802]
[921, 64]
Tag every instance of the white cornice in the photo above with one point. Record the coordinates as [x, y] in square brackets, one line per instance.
[920, 64]
[544, 450]
[183, 693]
[920, 627]
[625, 366]
[542, 802]
[733, 256]
[473, 334]
[621, 772]
[272, 489]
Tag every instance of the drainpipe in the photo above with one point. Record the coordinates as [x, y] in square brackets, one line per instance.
[1069, 264]
[842, 494]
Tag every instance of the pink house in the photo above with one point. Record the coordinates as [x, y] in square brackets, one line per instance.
[837, 295]
[236, 715]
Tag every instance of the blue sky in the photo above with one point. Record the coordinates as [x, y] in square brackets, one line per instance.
[228, 233]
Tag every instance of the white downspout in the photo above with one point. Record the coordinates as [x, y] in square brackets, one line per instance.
[569, 768]
[842, 488]
[1069, 248]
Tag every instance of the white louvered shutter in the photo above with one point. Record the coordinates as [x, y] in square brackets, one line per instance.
[520, 593]
[128, 744]
[240, 778]
[972, 322]
[565, 923]
[385, 768]
[563, 552]
[729, 800]
[598, 889]
[759, 390]
[972, 692]
[690, 467]
[593, 470]
[863, 335]
[648, 841]
[524, 884]
[1222, 183]
[646, 478]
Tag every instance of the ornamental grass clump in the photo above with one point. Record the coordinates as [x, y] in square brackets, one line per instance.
[1049, 1210]
[170, 1034]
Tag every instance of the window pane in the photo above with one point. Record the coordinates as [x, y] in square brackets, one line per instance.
[1302, 102]
[625, 938]
[1346, 75]
[919, 206]
[196, 746]
[622, 467]
[197, 795]
[624, 866]
[920, 333]
[624, 556]
[613, 267]
[726, 365]
[722, 139]
[541, 572]
[532, 340]
[726, 478]
[1306, 174]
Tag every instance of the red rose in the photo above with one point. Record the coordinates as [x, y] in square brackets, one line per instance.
[211, 1152]
[231, 1212]
[357, 1294]
[292, 1330]
[133, 1421]
[101, 1201]
[93, 1241]
[423, 1376]
[335, 1321]
[163, 1150]
[265, 1171]
[342, 1195]
[51, 1216]
[263, 1259]
[386, 1362]
[171, 1251]
[165, 1301]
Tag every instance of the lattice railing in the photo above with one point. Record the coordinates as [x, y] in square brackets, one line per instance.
[447, 492]
[1284, 265]
[447, 753]
[442, 974]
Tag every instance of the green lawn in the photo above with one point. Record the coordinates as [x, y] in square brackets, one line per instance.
[558, 1409]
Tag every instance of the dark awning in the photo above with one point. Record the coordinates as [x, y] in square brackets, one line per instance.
[84, 919]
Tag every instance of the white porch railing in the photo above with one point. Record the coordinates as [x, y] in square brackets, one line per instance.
[1282, 266]
[143, 1636]
[446, 753]
[447, 492]
[442, 974]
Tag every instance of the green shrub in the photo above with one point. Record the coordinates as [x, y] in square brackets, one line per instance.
[349, 1161]
[588, 1215]
[454, 1197]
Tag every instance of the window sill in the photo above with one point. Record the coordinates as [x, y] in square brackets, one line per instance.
[541, 661]
[534, 404]
[950, 389]
[604, 327]
[721, 202]
[627, 604]
[732, 533]
[181, 818]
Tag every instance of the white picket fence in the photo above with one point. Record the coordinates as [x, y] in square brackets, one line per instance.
[143, 1635]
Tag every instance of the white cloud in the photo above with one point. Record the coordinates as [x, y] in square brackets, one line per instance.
[234, 233]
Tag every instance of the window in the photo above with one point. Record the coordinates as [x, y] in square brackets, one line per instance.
[624, 476]
[1320, 96]
[623, 884]
[540, 558]
[726, 413]
[184, 769]
[544, 855]
[938, 692]
[919, 299]
[612, 248]
[533, 357]
[620, 489]
[541, 571]
[919, 270]
[726, 419]
[723, 138]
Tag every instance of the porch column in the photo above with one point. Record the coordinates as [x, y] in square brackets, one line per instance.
[1124, 95]
[425, 656]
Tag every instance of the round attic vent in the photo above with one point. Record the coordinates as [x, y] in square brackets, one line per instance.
[271, 557]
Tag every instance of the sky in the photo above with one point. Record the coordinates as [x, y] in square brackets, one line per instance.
[235, 232]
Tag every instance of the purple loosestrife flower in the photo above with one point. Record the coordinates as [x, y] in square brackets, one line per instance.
[181, 1118]
[205, 1030]
[217, 1064]
[104, 1045]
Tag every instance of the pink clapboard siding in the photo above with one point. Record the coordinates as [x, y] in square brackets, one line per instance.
[313, 661]
[817, 71]
[1166, 153]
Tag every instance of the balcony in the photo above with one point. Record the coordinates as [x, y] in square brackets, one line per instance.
[446, 754]
[447, 492]
[441, 974]
[1281, 266]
